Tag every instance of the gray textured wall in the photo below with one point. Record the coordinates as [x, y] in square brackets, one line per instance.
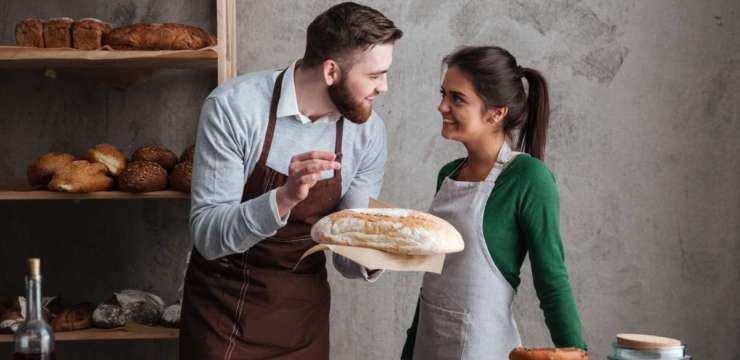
[643, 142]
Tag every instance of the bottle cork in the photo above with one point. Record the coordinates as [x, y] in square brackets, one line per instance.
[34, 267]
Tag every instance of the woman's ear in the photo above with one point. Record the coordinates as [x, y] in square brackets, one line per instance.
[330, 71]
[497, 115]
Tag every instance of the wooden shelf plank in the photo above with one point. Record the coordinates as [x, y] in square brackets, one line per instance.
[26, 57]
[128, 332]
[99, 195]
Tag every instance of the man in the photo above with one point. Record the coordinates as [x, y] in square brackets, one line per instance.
[276, 151]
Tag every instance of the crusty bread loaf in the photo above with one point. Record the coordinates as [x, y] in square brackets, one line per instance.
[107, 316]
[76, 317]
[521, 353]
[108, 155]
[156, 154]
[142, 176]
[30, 32]
[188, 154]
[58, 32]
[44, 168]
[159, 37]
[398, 231]
[181, 176]
[81, 176]
[88, 34]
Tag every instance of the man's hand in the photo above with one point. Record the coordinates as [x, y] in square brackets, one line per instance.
[303, 173]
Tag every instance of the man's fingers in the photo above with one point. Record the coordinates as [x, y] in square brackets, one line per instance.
[318, 155]
[312, 166]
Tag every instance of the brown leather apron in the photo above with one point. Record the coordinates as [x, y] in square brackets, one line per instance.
[253, 305]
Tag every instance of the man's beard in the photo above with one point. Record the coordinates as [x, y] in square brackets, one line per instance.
[353, 110]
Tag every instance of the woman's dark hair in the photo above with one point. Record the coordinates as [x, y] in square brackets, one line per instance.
[498, 81]
[345, 27]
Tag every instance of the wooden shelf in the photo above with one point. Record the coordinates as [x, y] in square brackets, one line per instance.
[34, 58]
[99, 195]
[128, 332]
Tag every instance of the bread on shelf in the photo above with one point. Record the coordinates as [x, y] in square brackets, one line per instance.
[58, 32]
[30, 32]
[43, 169]
[142, 176]
[88, 33]
[143, 36]
[108, 155]
[81, 176]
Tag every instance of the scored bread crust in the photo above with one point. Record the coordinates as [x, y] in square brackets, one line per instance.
[108, 155]
[81, 176]
[521, 353]
[397, 231]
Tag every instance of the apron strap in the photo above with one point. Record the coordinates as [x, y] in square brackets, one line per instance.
[273, 117]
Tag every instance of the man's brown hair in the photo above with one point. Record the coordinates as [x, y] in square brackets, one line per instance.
[343, 28]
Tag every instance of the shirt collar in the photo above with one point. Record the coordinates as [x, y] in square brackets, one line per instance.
[288, 105]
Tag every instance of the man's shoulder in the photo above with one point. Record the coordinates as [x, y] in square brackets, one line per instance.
[245, 88]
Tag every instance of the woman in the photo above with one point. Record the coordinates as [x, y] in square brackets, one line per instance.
[505, 204]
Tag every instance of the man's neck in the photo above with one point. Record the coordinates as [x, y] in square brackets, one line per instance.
[312, 93]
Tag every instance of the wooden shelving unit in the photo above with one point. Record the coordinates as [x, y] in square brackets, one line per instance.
[99, 195]
[222, 58]
[128, 332]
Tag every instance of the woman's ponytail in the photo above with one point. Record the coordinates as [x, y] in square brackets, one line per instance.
[533, 135]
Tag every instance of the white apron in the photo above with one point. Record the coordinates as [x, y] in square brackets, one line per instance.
[465, 312]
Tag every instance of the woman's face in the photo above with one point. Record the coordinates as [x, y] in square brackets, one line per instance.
[463, 115]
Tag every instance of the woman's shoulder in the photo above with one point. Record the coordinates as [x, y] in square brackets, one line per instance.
[447, 170]
[529, 169]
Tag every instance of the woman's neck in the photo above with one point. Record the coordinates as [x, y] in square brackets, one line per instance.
[481, 158]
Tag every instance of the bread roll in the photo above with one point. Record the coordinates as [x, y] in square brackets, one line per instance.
[88, 33]
[81, 176]
[181, 176]
[108, 155]
[159, 37]
[44, 168]
[108, 316]
[140, 306]
[398, 231]
[58, 33]
[521, 353]
[30, 32]
[142, 176]
[157, 154]
[171, 316]
[188, 154]
[76, 317]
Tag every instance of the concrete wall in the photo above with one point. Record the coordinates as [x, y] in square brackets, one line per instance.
[643, 142]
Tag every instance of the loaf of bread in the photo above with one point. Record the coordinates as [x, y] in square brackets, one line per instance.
[398, 231]
[108, 316]
[81, 176]
[157, 154]
[44, 168]
[30, 32]
[140, 306]
[188, 154]
[76, 317]
[88, 34]
[521, 353]
[142, 176]
[12, 318]
[108, 155]
[171, 316]
[159, 37]
[181, 176]
[58, 32]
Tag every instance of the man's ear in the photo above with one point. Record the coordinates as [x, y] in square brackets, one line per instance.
[330, 71]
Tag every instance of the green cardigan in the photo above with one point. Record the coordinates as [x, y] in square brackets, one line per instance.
[522, 215]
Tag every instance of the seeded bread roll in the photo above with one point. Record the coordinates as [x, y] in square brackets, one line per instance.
[108, 155]
[88, 34]
[181, 176]
[81, 176]
[156, 154]
[140, 306]
[76, 317]
[171, 316]
[30, 32]
[188, 154]
[142, 176]
[44, 168]
[58, 33]
[521, 353]
[159, 37]
[397, 231]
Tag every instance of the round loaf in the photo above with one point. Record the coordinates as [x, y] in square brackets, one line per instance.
[81, 176]
[142, 176]
[140, 306]
[188, 154]
[397, 231]
[171, 316]
[156, 154]
[521, 353]
[108, 316]
[43, 169]
[108, 155]
[181, 176]
[75, 317]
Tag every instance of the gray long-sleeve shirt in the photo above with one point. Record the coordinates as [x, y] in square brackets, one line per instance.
[231, 132]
